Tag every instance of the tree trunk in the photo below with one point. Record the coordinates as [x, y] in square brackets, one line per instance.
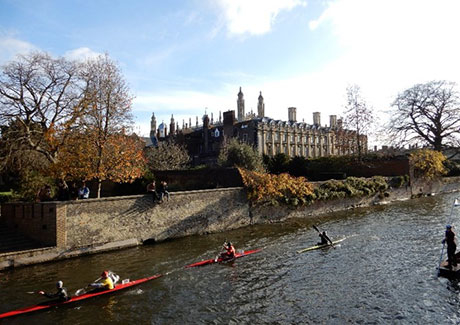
[99, 186]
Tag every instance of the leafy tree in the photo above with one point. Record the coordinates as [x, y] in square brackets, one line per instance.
[238, 154]
[358, 115]
[426, 114]
[167, 156]
[298, 166]
[278, 164]
[122, 160]
[427, 163]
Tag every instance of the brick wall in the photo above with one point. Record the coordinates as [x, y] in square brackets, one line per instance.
[36, 221]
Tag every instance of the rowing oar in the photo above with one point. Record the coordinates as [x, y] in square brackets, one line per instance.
[326, 236]
[83, 290]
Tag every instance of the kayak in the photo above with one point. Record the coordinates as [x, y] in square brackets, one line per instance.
[53, 303]
[320, 246]
[219, 260]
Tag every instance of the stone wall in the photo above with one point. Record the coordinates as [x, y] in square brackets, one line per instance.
[121, 221]
[94, 222]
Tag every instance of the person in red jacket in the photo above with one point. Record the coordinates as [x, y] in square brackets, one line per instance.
[229, 252]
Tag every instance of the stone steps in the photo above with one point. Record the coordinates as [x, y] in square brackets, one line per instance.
[12, 241]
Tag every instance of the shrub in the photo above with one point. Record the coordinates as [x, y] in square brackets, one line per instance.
[427, 164]
[276, 189]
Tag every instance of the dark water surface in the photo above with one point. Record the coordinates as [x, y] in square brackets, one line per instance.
[383, 273]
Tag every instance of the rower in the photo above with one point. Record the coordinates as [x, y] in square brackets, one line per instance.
[229, 252]
[324, 238]
[61, 292]
[450, 240]
[107, 281]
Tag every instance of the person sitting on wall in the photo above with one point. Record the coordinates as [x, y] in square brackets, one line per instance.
[60, 294]
[151, 188]
[163, 189]
[108, 280]
[83, 191]
[45, 194]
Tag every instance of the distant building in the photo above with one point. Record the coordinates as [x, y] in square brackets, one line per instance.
[267, 135]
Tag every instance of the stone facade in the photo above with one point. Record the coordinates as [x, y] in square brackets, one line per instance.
[267, 135]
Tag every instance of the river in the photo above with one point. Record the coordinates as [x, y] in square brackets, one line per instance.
[383, 273]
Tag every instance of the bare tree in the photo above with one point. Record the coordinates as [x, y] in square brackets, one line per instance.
[358, 116]
[41, 96]
[167, 156]
[427, 114]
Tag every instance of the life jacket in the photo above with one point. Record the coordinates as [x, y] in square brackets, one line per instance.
[107, 283]
[230, 251]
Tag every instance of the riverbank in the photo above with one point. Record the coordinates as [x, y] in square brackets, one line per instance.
[76, 228]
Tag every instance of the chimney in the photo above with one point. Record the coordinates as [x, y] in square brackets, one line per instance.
[292, 114]
[333, 121]
[317, 118]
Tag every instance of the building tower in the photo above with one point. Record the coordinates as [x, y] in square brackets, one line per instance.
[261, 106]
[172, 126]
[153, 131]
[292, 112]
[240, 105]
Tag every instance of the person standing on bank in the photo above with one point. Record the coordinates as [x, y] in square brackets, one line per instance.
[450, 240]
[83, 192]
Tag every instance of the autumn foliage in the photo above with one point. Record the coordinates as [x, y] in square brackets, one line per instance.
[275, 189]
[121, 160]
[427, 163]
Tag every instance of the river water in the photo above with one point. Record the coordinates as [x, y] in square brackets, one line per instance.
[383, 273]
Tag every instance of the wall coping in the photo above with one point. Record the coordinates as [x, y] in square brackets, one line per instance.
[128, 197]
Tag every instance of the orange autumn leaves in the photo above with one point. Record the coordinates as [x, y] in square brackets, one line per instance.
[119, 159]
[275, 189]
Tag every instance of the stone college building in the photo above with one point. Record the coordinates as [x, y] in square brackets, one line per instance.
[266, 135]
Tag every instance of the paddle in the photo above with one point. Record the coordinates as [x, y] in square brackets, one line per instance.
[327, 238]
[220, 253]
[83, 290]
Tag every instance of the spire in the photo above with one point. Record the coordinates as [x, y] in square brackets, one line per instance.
[240, 106]
[260, 106]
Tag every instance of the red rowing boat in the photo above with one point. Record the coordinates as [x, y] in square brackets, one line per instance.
[211, 261]
[53, 303]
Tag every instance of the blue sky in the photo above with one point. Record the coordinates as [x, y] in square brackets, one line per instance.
[183, 57]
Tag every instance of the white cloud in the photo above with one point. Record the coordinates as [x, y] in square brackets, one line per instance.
[10, 47]
[254, 17]
[391, 45]
[81, 54]
[385, 47]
